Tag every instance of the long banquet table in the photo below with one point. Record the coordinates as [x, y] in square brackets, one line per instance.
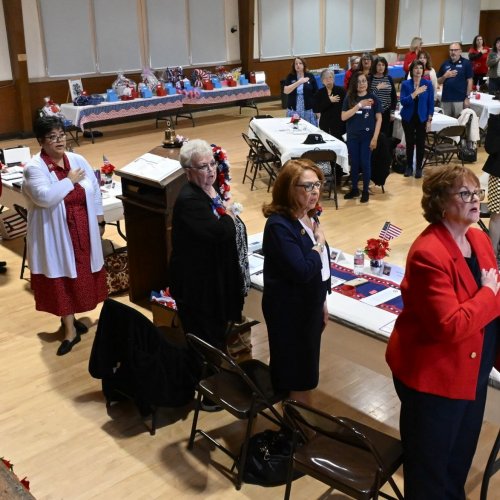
[85, 115]
[290, 142]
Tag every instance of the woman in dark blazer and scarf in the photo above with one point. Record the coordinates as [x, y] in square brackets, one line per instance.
[417, 101]
[296, 279]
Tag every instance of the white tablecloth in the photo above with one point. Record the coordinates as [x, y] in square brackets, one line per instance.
[439, 122]
[484, 106]
[290, 141]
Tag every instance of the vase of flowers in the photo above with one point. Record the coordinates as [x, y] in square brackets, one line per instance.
[107, 169]
[377, 249]
[295, 119]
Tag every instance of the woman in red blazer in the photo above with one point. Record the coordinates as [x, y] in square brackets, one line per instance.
[446, 339]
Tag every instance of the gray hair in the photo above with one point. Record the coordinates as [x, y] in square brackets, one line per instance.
[193, 149]
[326, 72]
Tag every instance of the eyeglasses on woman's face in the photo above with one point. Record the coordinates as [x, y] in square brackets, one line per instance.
[55, 138]
[310, 186]
[468, 196]
[205, 167]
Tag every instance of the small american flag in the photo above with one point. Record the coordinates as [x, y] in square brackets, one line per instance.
[389, 231]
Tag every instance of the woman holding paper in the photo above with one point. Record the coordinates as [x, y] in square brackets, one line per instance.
[446, 340]
[208, 265]
[65, 223]
[296, 279]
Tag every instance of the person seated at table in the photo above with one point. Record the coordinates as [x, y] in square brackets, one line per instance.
[382, 85]
[296, 279]
[355, 61]
[362, 113]
[446, 340]
[417, 101]
[412, 54]
[65, 224]
[300, 87]
[493, 63]
[478, 55]
[328, 102]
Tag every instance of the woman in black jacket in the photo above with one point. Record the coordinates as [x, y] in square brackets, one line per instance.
[300, 87]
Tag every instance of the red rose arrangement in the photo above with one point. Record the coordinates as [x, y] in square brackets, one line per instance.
[377, 248]
[295, 119]
[107, 168]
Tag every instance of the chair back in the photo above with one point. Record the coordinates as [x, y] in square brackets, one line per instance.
[305, 419]
[274, 149]
[215, 360]
[258, 117]
[452, 132]
[317, 155]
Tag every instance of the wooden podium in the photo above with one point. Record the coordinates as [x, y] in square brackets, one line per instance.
[147, 208]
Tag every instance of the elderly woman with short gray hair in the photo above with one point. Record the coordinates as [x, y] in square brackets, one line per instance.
[208, 266]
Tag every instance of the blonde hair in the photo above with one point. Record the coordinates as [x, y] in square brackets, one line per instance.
[416, 41]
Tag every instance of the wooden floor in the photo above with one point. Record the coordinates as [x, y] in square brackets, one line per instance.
[53, 422]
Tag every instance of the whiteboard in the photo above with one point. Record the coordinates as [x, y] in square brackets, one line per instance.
[117, 35]
[167, 34]
[275, 31]
[306, 27]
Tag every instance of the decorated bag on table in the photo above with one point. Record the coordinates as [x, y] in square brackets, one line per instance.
[124, 86]
[116, 264]
[149, 79]
[51, 108]
[198, 76]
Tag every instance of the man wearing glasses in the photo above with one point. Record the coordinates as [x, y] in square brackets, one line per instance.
[455, 75]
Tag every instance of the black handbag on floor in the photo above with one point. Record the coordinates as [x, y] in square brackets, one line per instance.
[268, 457]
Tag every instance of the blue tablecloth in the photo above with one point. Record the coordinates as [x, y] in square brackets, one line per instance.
[394, 71]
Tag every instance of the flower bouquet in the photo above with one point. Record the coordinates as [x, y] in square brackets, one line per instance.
[376, 249]
[107, 169]
[295, 119]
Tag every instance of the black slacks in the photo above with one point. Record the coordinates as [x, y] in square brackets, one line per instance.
[415, 136]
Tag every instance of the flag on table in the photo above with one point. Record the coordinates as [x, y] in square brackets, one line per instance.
[389, 231]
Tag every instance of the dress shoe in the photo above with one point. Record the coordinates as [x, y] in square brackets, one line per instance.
[408, 172]
[3, 263]
[418, 173]
[67, 345]
[3, 270]
[365, 196]
[80, 327]
[353, 193]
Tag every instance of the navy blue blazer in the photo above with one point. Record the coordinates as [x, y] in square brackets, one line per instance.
[292, 270]
[425, 100]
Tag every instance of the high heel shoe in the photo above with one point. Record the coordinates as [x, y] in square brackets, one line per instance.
[67, 345]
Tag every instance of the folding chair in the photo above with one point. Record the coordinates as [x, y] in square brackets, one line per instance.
[443, 145]
[23, 213]
[326, 155]
[244, 390]
[347, 455]
[258, 159]
[275, 164]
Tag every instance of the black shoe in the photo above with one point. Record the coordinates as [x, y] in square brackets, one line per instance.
[353, 193]
[418, 173]
[365, 196]
[3, 270]
[209, 405]
[67, 345]
[3, 263]
[408, 172]
[80, 327]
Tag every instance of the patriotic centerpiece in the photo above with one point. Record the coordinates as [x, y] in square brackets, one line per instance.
[378, 248]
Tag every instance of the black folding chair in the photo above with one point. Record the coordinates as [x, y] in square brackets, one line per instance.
[326, 155]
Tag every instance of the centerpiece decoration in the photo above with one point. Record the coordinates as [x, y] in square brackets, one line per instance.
[107, 169]
[295, 119]
[377, 249]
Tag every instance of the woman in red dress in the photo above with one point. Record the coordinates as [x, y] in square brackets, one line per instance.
[65, 223]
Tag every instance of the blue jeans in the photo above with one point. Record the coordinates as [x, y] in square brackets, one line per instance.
[360, 157]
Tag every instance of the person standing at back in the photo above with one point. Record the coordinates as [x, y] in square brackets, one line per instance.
[478, 54]
[455, 75]
[415, 47]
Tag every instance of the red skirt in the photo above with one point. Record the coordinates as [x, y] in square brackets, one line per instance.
[63, 296]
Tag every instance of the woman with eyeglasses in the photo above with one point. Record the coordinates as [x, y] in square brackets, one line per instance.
[446, 339]
[208, 264]
[296, 279]
[65, 224]
[362, 112]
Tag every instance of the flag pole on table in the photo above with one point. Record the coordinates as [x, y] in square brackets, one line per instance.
[389, 231]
